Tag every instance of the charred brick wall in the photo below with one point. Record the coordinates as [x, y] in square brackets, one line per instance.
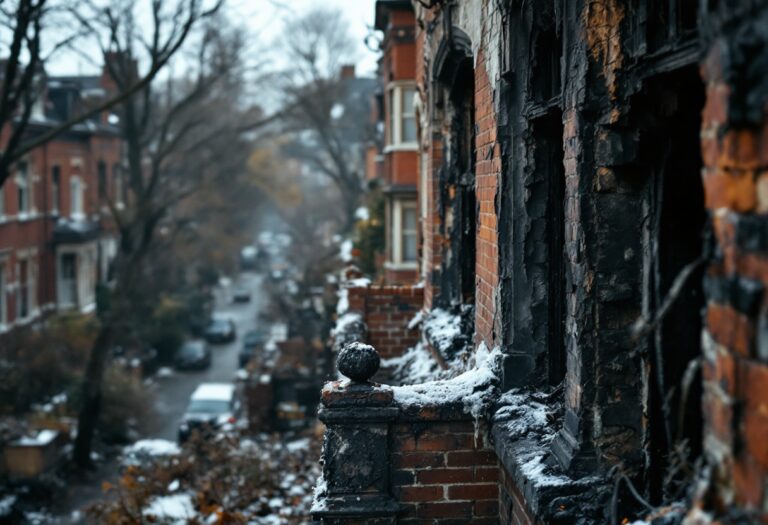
[387, 312]
[619, 170]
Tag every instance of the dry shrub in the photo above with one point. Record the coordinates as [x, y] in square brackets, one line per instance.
[125, 405]
[229, 478]
[38, 364]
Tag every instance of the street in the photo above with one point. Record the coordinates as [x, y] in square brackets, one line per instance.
[173, 391]
[172, 394]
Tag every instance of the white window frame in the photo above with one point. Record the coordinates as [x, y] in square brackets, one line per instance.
[23, 190]
[398, 233]
[76, 194]
[396, 102]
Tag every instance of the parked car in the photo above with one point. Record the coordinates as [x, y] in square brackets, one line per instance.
[241, 295]
[221, 331]
[193, 355]
[212, 406]
[253, 341]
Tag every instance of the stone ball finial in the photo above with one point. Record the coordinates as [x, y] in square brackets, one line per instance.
[358, 361]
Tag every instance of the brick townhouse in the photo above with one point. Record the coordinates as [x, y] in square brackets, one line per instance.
[594, 250]
[395, 167]
[55, 238]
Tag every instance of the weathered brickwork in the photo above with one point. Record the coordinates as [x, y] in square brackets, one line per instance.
[618, 184]
[387, 312]
[443, 471]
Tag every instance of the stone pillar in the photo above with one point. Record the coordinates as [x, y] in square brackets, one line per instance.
[356, 458]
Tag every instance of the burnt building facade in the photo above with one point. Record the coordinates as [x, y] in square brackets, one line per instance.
[592, 189]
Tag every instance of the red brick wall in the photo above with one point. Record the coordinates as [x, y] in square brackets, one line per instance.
[386, 311]
[734, 368]
[442, 474]
[487, 170]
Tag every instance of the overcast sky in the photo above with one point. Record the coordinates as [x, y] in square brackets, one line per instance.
[263, 20]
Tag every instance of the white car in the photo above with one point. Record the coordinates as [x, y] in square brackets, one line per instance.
[211, 407]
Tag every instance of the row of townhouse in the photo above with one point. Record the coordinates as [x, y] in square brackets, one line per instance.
[578, 190]
[56, 243]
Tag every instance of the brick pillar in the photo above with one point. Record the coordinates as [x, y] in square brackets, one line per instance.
[356, 456]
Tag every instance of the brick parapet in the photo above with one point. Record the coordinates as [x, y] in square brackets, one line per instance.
[387, 312]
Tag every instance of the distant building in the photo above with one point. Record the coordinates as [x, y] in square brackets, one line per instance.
[56, 243]
[397, 167]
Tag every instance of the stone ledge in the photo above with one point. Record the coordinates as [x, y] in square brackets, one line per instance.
[433, 413]
[554, 497]
[355, 507]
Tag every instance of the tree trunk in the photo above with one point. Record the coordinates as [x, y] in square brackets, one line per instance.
[91, 396]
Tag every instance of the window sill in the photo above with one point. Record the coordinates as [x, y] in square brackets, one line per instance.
[405, 146]
[524, 453]
[389, 265]
[26, 217]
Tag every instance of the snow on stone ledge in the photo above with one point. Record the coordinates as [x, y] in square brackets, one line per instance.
[43, 438]
[176, 509]
[152, 447]
[474, 388]
[416, 365]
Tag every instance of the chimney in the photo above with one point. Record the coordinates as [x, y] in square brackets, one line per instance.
[347, 71]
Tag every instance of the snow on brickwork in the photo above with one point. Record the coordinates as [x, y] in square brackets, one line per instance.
[474, 389]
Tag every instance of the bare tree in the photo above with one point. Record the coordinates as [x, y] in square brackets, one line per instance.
[27, 23]
[171, 135]
[327, 114]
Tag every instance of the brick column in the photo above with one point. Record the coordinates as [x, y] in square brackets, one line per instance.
[356, 456]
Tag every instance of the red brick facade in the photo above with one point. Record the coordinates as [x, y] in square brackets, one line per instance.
[33, 227]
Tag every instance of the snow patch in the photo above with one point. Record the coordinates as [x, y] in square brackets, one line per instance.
[474, 388]
[175, 509]
[415, 366]
[416, 320]
[345, 250]
[6, 505]
[43, 438]
[343, 305]
[297, 445]
[152, 447]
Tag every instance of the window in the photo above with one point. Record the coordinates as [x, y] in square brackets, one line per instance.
[402, 116]
[67, 280]
[408, 116]
[404, 232]
[76, 197]
[117, 177]
[23, 187]
[23, 294]
[101, 168]
[409, 233]
[55, 189]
